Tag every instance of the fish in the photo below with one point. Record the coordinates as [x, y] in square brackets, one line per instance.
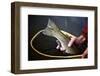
[53, 30]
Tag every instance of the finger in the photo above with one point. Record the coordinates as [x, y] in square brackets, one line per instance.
[62, 49]
[80, 39]
[83, 40]
[59, 45]
[71, 42]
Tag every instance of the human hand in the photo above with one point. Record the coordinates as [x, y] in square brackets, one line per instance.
[59, 46]
[73, 39]
[77, 40]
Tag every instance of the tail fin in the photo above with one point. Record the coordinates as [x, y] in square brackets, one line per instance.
[52, 25]
[51, 29]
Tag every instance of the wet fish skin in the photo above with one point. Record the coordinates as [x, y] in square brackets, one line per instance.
[53, 31]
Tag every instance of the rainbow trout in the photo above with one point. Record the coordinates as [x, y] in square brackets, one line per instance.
[53, 31]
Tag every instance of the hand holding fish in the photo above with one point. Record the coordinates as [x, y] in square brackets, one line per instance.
[77, 40]
[69, 44]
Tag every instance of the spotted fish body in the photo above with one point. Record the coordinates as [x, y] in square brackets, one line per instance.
[53, 31]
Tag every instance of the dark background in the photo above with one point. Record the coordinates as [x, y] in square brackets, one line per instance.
[47, 44]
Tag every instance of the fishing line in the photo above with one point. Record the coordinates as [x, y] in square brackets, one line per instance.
[46, 55]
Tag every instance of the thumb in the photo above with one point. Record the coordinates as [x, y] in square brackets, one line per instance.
[71, 42]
